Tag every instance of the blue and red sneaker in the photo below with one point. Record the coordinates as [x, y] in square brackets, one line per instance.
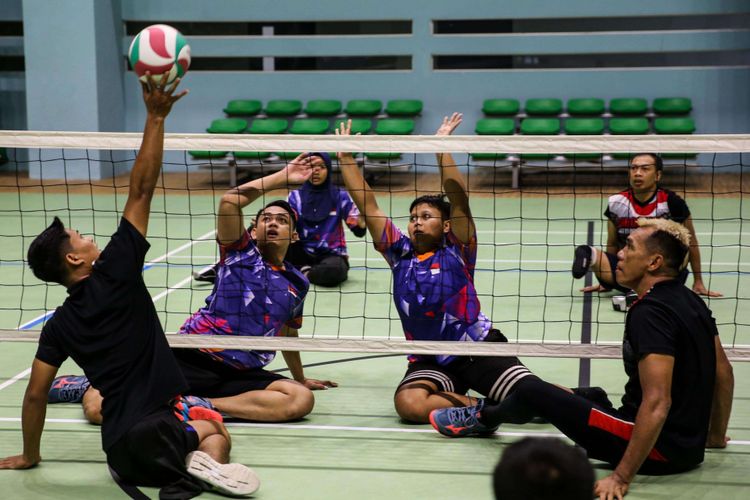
[68, 389]
[459, 422]
[188, 408]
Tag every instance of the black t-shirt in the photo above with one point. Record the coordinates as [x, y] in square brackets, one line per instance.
[671, 319]
[109, 326]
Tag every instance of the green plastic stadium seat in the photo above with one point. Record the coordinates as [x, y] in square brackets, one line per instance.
[493, 126]
[674, 125]
[262, 126]
[307, 126]
[584, 126]
[227, 126]
[539, 126]
[578, 107]
[268, 126]
[501, 107]
[280, 107]
[322, 107]
[545, 107]
[206, 155]
[243, 107]
[403, 107]
[628, 126]
[628, 106]
[672, 105]
[363, 107]
[359, 125]
[391, 126]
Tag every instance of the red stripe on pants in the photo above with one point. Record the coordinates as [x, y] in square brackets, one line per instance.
[620, 428]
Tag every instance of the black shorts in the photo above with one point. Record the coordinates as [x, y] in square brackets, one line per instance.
[490, 376]
[212, 379]
[153, 451]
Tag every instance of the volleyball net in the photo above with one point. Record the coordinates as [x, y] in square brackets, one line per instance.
[533, 199]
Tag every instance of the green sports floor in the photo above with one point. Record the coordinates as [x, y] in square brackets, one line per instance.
[353, 444]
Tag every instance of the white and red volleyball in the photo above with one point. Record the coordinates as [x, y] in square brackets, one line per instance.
[159, 49]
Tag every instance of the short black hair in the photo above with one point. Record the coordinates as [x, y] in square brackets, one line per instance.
[672, 249]
[46, 254]
[658, 162]
[283, 204]
[434, 200]
[543, 468]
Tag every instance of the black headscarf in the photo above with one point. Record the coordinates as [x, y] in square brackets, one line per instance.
[319, 201]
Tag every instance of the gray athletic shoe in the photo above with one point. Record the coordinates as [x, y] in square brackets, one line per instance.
[229, 479]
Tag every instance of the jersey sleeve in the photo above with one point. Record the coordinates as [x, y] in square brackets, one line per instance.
[296, 320]
[245, 242]
[124, 255]
[295, 202]
[653, 330]
[678, 209]
[393, 243]
[608, 213]
[348, 210]
[48, 349]
[467, 251]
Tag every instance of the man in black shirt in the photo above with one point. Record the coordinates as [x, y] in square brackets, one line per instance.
[108, 325]
[678, 396]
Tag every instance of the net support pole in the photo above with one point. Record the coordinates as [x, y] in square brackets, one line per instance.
[584, 364]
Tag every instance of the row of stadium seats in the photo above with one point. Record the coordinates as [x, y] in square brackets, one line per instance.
[586, 126]
[301, 126]
[323, 108]
[674, 106]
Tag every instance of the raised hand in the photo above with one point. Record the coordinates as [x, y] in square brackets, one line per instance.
[299, 169]
[449, 124]
[344, 128]
[159, 97]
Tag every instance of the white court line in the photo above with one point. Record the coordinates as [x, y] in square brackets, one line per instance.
[345, 428]
[166, 292]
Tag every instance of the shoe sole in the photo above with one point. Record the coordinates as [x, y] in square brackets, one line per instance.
[581, 262]
[229, 479]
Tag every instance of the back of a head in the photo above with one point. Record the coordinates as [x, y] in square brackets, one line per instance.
[541, 469]
[46, 254]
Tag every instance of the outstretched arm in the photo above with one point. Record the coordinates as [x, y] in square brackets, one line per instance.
[454, 186]
[695, 263]
[294, 362]
[359, 190]
[230, 225]
[32, 416]
[159, 99]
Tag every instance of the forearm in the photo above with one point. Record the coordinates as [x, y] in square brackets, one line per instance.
[721, 405]
[292, 358]
[357, 186]
[648, 424]
[695, 261]
[32, 423]
[145, 172]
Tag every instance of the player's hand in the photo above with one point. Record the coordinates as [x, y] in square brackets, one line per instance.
[611, 487]
[158, 96]
[299, 169]
[449, 124]
[316, 385]
[18, 462]
[720, 442]
[345, 128]
[700, 289]
[595, 288]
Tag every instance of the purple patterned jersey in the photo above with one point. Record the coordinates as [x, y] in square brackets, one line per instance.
[250, 297]
[434, 292]
[327, 236]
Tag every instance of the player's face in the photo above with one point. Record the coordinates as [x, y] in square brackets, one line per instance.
[274, 229]
[319, 171]
[634, 259]
[643, 175]
[426, 227]
[83, 247]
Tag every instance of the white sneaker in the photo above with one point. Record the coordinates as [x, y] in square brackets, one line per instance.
[229, 479]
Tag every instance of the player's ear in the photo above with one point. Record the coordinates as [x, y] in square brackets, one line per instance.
[253, 232]
[295, 236]
[658, 175]
[447, 226]
[656, 263]
[72, 259]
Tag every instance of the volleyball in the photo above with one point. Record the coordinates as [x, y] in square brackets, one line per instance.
[159, 49]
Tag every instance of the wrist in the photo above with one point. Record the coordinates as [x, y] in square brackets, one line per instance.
[622, 477]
